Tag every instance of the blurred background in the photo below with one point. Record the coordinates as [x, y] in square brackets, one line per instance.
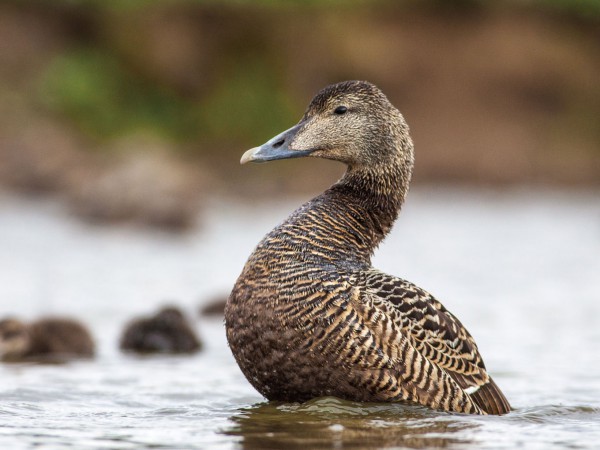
[139, 110]
[122, 123]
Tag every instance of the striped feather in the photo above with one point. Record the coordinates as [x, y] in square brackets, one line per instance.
[309, 316]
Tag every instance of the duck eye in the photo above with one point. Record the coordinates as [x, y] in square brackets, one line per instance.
[340, 110]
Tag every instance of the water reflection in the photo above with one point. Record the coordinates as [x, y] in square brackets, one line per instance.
[333, 423]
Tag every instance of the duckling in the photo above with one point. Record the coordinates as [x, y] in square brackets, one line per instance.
[309, 316]
[168, 331]
[49, 339]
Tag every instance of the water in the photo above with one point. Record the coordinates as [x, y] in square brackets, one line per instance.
[521, 269]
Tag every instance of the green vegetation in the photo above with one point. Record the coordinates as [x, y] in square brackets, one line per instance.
[132, 5]
[104, 99]
[246, 104]
[96, 88]
[583, 8]
[212, 76]
[107, 100]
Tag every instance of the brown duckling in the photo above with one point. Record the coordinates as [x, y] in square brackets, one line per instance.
[49, 339]
[309, 316]
[168, 331]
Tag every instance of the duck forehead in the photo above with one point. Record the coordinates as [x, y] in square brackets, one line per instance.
[324, 101]
[347, 93]
[352, 88]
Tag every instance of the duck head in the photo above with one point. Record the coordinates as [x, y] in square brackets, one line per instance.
[352, 122]
[14, 339]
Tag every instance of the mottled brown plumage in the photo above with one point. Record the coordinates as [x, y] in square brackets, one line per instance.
[310, 317]
[48, 339]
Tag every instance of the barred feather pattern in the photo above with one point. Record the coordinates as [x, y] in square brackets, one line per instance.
[309, 316]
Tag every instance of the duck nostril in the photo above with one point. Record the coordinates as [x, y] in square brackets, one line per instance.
[278, 143]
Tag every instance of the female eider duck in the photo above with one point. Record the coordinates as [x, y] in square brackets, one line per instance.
[309, 316]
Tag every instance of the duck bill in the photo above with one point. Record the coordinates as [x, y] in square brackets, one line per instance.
[275, 148]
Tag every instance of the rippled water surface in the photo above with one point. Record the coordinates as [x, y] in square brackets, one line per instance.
[520, 269]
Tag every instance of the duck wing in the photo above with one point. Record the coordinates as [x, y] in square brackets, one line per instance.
[439, 339]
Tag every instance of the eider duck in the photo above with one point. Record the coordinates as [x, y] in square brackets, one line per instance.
[309, 316]
[168, 331]
[49, 339]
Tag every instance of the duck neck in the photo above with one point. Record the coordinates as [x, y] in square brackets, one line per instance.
[375, 195]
